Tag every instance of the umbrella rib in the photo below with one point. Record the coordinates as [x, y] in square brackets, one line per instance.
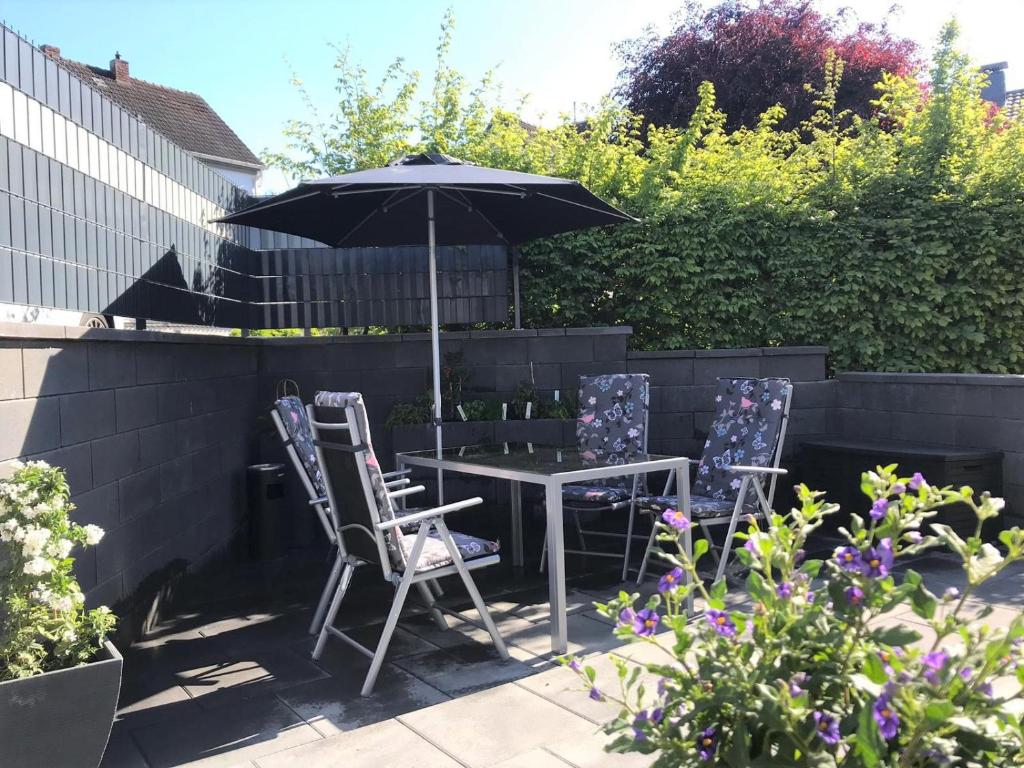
[267, 205]
[485, 190]
[380, 208]
[613, 212]
[471, 209]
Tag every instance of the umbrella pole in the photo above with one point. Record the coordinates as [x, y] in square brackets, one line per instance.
[435, 335]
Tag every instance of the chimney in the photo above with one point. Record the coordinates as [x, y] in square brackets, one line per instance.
[119, 68]
[995, 91]
[50, 50]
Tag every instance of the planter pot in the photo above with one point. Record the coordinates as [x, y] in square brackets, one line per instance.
[60, 718]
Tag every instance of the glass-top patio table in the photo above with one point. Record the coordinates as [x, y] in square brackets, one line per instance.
[551, 468]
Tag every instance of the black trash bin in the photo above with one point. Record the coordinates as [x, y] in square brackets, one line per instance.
[268, 532]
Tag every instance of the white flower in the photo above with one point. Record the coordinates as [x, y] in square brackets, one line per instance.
[37, 566]
[35, 541]
[93, 534]
[69, 636]
[9, 530]
[60, 549]
[62, 602]
[592, 401]
[997, 503]
[39, 464]
[776, 404]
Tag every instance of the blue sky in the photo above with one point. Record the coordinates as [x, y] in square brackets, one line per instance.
[557, 51]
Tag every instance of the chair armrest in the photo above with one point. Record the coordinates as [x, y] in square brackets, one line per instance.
[757, 470]
[397, 473]
[406, 491]
[397, 483]
[321, 500]
[428, 514]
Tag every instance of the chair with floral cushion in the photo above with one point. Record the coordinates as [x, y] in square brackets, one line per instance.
[742, 452]
[413, 548]
[292, 423]
[611, 428]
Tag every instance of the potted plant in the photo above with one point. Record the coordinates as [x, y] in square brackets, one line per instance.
[811, 676]
[59, 675]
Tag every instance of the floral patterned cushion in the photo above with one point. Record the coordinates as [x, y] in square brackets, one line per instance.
[701, 507]
[745, 431]
[296, 424]
[598, 495]
[435, 553]
[611, 426]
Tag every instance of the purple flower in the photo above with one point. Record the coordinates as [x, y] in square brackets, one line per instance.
[965, 673]
[917, 481]
[886, 717]
[595, 694]
[854, 596]
[899, 488]
[721, 622]
[876, 561]
[670, 581]
[662, 682]
[627, 616]
[827, 727]
[798, 556]
[914, 537]
[676, 519]
[796, 684]
[986, 689]
[951, 594]
[574, 664]
[848, 559]
[707, 743]
[656, 715]
[638, 725]
[934, 663]
[879, 509]
[784, 590]
[646, 622]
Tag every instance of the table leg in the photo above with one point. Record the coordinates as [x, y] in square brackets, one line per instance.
[683, 491]
[556, 565]
[517, 524]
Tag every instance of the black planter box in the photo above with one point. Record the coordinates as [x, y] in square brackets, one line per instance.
[60, 719]
[420, 437]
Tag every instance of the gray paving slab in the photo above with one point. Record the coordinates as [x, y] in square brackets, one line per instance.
[590, 753]
[248, 674]
[384, 745]
[334, 705]
[535, 758]
[224, 737]
[494, 725]
[464, 668]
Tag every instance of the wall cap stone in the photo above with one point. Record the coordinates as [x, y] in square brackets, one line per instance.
[971, 379]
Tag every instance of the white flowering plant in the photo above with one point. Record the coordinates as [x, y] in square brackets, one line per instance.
[820, 671]
[44, 624]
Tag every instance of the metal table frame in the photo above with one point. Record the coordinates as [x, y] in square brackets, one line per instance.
[552, 483]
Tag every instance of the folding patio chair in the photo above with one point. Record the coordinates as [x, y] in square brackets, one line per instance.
[743, 450]
[611, 428]
[292, 423]
[411, 547]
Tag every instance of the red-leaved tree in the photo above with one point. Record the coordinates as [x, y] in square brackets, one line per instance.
[757, 54]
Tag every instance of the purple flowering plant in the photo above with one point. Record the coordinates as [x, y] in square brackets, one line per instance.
[832, 680]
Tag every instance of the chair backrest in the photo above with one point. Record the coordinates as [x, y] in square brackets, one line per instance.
[613, 416]
[748, 429]
[299, 436]
[348, 408]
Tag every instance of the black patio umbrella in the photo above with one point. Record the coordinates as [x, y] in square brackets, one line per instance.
[435, 200]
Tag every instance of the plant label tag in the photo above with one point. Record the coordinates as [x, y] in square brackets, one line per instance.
[462, 451]
[529, 447]
[529, 409]
[504, 412]
[506, 449]
[462, 413]
[556, 395]
[558, 456]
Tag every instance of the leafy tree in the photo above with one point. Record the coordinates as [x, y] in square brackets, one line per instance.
[757, 54]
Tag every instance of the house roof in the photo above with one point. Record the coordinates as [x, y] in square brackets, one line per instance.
[183, 117]
[1014, 104]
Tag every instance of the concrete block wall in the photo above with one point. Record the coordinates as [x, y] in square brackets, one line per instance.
[961, 410]
[683, 386]
[154, 430]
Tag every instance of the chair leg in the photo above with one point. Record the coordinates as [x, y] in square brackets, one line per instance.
[629, 539]
[435, 587]
[727, 546]
[332, 613]
[474, 593]
[579, 530]
[647, 551]
[705, 528]
[396, 609]
[428, 598]
[325, 596]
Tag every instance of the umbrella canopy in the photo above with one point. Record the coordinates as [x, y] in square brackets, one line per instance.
[473, 205]
[431, 200]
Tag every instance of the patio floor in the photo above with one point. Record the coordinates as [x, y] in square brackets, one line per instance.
[230, 682]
